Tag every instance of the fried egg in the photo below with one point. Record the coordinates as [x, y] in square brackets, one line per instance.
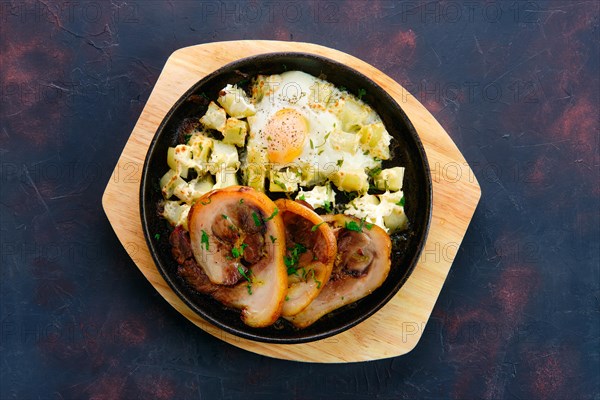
[298, 124]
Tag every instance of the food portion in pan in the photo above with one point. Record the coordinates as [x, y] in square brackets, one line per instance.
[279, 199]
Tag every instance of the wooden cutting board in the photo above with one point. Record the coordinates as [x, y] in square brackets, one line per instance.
[397, 327]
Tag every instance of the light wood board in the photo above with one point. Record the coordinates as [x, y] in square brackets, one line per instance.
[397, 327]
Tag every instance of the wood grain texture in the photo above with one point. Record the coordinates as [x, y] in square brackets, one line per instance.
[397, 327]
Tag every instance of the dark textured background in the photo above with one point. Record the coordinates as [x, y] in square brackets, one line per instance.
[516, 85]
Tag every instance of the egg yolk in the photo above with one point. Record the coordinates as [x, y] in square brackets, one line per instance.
[286, 133]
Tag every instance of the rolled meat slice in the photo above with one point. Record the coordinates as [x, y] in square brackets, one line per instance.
[361, 266]
[233, 234]
[310, 252]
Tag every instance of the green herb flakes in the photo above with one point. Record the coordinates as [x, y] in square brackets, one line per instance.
[238, 252]
[315, 227]
[273, 215]
[204, 239]
[256, 219]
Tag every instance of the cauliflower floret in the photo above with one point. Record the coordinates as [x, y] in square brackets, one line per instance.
[169, 182]
[214, 118]
[318, 197]
[176, 213]
[194, 189]
[397, 219]
[367, 208]
[235, 102]
[386, 210]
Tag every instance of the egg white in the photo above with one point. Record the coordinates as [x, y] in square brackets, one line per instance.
[298, 91]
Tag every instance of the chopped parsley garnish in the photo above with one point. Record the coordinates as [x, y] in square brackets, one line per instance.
[157, 236]
[361, 93]
[327, 206]
[273, 215]
[206, 202]
[243, 273]
[280, 184]
[237, 253]
[353, 226]
[291, 270]
[187, 138]
[340, 162]
[256, 219]
[322, 144]
[315, 227]
[224, 216]
[241, 201]
[204, 239]
[401, 202]
[287, 298]
[291, 261]
[314, 276]
[273, 239]
[249, 287]
[302, 197]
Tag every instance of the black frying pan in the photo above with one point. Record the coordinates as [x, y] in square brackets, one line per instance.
[408, 152]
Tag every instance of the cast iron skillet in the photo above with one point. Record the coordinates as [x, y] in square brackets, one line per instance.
[408, 152]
